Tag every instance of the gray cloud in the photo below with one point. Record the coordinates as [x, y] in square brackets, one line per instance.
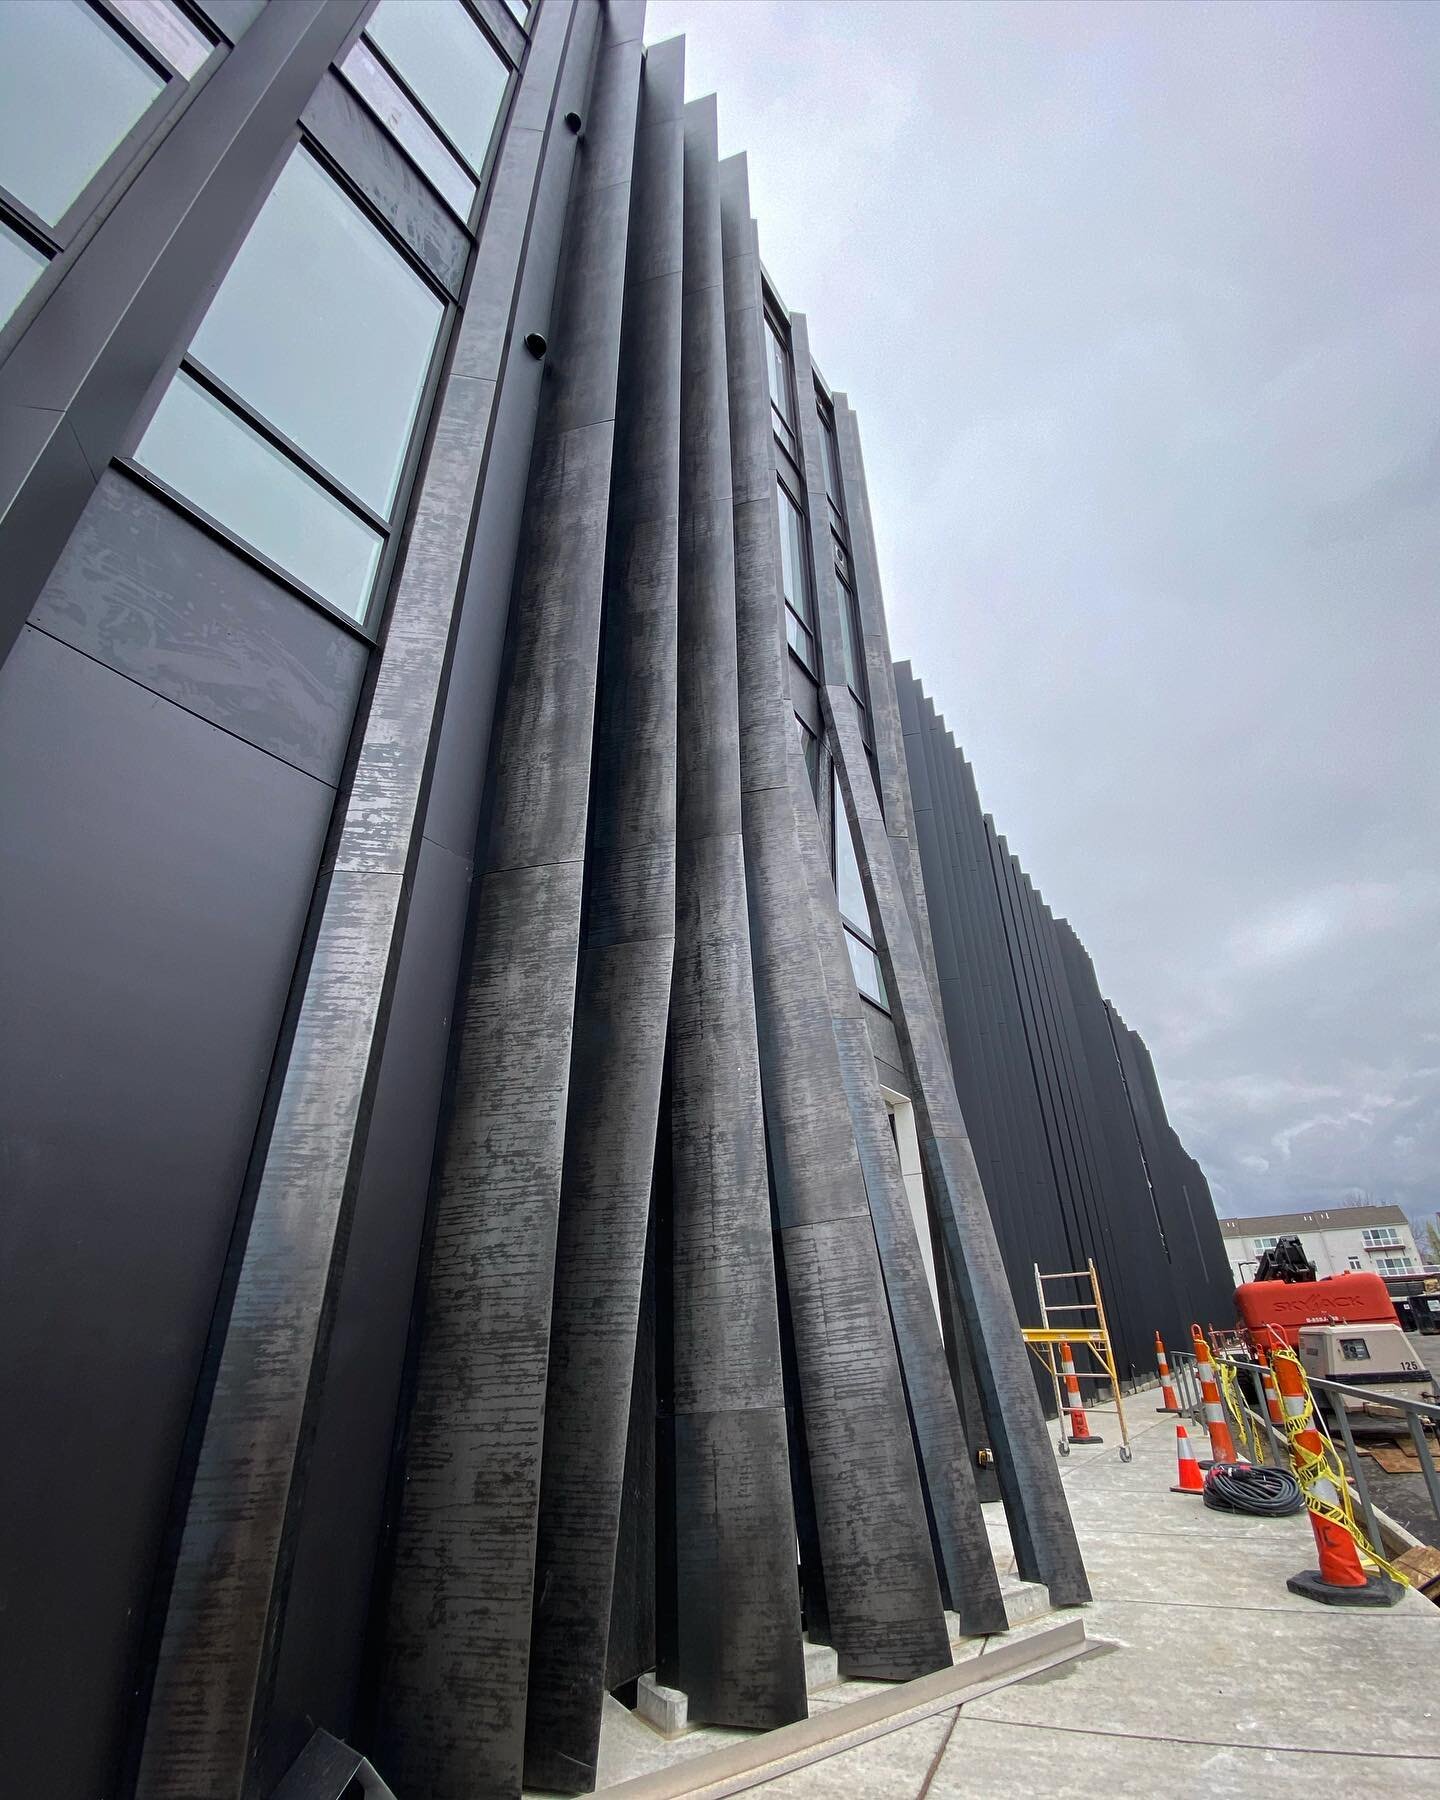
[1140, 310]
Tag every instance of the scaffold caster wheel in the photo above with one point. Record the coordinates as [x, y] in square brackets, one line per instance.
[1063, 1447]
[1126, 1453]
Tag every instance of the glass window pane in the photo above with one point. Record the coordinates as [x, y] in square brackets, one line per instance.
[445, 59]
[202, 449]
[849, 889]
[866, 965]
[799, 641]
[832, 466]
[792, 556]
[378, 87]
[70, 89]
[20, 265]
[777, 361]
[847, 634]
[166, 29]
[326, 331]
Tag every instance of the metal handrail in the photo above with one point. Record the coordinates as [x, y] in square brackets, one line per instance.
[1416, 1413]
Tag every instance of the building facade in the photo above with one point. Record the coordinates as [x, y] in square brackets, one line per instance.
[486, 1199]
[1078, 1157]
[1339, 1241]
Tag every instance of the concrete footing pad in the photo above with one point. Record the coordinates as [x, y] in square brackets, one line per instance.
[1379, 1590]
[765, 1756]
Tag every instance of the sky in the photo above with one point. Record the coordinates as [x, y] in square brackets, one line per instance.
[1139, 307]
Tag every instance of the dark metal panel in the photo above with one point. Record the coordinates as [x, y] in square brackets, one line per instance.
[623, 994]
[231, 17]
[880, 680]
[524, 223]
[387, 178]
[732, 1484]
[1040, 1525]
[231, 1565]
[961, 1545]
[733, 1618]
[462, 1590]
[319, 1655]
[885, 1613]
[453, 1687]
[116, 319]
[158, 873]
[143, 590]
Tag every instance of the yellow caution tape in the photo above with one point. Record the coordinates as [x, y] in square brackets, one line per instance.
[1234, 1403]
[1311, 1467]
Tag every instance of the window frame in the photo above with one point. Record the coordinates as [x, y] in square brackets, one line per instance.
[59, 237]
[786, 432]
[480, 176]
[862, 934]
[806, 626]
[367, 624]
[96, 199]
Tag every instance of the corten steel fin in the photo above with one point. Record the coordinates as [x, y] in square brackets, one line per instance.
[461, 1592]
[886, 1617]
[734, 1642]
[623, 992]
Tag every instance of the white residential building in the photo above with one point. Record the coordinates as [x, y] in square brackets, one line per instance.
[1337, 1241]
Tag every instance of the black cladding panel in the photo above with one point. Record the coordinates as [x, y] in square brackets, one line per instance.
[156, 877]
[143, 589]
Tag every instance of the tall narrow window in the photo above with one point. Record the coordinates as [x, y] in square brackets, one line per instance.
[794, 581]
[854, 911]
[830, 457]
[782, 401]
[307, 372]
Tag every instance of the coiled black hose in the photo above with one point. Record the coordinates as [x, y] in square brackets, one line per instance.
[1251, 1488]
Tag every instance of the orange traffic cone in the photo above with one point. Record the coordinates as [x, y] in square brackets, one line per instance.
[1340, 1580]
[1191, 1480]
[1080, 1432]
[1167, 1387]
[1222, 1445]
[1272, 1398]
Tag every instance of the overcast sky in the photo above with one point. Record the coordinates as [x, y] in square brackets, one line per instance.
[1139, 305]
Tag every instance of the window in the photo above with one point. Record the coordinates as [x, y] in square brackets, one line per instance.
[810, 750]
[794, 584]
[446, 62]
[307, 371]
[1262, 1244]
[73, 88]
[850, 638]
[1376, 1237]
[166, 29]
[782, 404]
[1355, 1262]
[326, 331]
[830, 457]
[20, 265]
[200, 447]
[854, 911]
[1395, 1265]
[395, 110]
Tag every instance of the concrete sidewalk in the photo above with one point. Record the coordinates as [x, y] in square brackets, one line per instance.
[1208, 1679]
